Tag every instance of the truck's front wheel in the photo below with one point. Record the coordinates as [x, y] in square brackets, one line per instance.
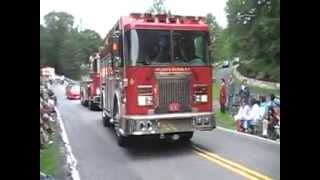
[83, 102]
[105, 120]
[91, 106]
[186, 137]
[123, 141]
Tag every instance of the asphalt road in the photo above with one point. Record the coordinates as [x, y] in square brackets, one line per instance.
[99, 156]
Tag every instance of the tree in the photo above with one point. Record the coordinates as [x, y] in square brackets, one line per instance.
[158, 7]
[214, 28]
[219, 41]
[58, 24]
[64, 47]
[254, 29]
[44, 45]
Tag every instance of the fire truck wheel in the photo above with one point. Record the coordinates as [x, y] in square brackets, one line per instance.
[81, 101]
[185, 137]
[106, 120]
[91, 106]
[123, 141]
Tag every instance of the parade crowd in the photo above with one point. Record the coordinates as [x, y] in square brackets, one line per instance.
[256, 114]
[47, 112]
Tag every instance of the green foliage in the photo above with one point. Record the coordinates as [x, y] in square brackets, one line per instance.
[253, 33]
[220, 45]
[225, 120]
[254, 29]
[158, 7]
[63, 46]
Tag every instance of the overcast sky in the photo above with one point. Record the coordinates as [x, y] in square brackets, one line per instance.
[101, 15]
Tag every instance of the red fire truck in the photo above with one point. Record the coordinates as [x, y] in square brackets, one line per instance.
[90, 90]
[156, 77]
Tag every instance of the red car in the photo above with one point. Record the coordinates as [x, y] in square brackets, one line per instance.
[73, 91]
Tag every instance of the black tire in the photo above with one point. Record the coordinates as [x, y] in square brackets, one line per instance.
[81, 101]
[106, 120]
[85, 103]
[123, 141]
[186, 137]
[91, 106]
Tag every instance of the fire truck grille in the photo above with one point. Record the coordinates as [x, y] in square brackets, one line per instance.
[173, 90]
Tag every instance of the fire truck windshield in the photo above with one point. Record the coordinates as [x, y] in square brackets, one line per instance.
[162, 47]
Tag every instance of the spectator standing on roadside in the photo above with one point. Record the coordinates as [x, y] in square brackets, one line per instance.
[223, 96]
[244, 91]
[231, 93]
[272, 103]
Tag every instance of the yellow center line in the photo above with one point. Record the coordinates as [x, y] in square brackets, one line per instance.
[237, 168]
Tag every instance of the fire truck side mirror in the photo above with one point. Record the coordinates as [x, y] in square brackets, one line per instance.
[115, 48]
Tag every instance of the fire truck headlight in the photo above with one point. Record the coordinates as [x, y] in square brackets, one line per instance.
[145, 100]
[206, 120]
[98, 91]
[201, 98]
[204, 98]
[199, 120]
[141, 126]
[149, 125]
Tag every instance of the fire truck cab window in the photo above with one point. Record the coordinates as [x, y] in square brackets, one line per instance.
[150, 47]
[190, 47]
[153, 47]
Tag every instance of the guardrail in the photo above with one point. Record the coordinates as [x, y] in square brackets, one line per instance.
[254, 82]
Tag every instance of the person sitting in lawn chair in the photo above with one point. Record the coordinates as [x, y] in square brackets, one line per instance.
[244, 111]
[270, 108]
[251, 118]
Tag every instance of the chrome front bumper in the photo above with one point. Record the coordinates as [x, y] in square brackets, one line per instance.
[167, 123]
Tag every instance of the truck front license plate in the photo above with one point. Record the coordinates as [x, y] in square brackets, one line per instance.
[167, 126]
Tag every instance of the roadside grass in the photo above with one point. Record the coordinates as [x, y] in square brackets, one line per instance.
[223, 120]
[215, 91]
[49, 158]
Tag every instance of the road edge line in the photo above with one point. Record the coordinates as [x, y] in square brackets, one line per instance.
[248, 135]
[71, 160]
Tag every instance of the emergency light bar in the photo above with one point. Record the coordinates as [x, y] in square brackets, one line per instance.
[165, 18]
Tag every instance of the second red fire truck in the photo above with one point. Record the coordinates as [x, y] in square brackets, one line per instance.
[90, 89]
[156, 77]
